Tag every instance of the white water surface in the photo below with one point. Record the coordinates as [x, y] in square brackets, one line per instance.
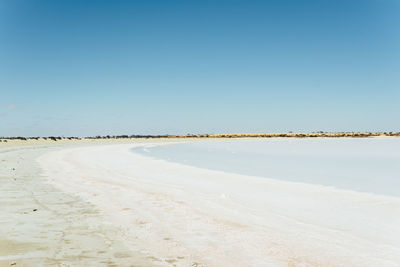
[359, 164]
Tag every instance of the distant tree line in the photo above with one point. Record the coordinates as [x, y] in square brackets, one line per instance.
[127, 136]
[54, 138]
[239, 135]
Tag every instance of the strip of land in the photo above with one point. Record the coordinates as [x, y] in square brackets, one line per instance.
[44, 140]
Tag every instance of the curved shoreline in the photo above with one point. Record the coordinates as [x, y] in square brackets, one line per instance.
[186, 215]
[44, 226]
[362, 165]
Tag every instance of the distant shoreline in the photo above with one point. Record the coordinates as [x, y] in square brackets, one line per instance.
[224, 135]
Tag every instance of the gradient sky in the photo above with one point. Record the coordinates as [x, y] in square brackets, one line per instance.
[176, 67]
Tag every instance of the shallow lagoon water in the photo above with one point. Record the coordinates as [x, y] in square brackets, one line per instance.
[359, 164]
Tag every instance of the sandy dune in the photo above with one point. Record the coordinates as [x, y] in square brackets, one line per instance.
[175, 214]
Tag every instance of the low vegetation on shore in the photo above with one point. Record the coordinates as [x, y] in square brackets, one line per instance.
[228, 135]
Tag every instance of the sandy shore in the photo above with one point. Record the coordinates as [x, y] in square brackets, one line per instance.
[41, 225]
[102, 205]
[189, 216]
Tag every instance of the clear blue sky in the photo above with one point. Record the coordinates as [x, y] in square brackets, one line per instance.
[176, 67]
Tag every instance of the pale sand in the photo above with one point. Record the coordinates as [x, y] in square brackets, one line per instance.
[43, 226]
[167, 214]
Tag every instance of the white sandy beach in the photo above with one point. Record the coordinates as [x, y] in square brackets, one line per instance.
[102, 205]
[199, 133]
[43, 226]
[183, 215]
